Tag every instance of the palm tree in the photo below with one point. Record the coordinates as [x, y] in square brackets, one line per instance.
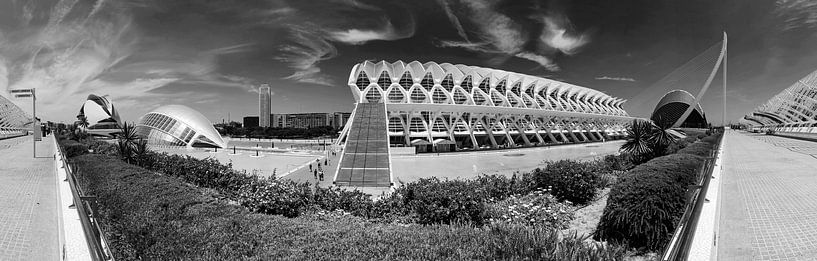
[638, 139]
[660, 137]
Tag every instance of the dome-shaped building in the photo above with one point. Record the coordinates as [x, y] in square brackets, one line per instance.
[672, 106]
[100, 113]
[177, 125]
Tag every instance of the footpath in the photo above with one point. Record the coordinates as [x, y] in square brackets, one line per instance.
[29, 221]
[769, 199]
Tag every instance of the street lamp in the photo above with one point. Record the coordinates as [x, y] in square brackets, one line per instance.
[23, 93]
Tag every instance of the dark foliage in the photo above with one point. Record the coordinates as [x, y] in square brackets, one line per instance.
[569, 180]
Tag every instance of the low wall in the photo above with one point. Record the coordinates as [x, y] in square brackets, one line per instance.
[798, 135]
[402, 151]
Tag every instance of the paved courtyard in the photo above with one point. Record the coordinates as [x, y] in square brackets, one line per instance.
[29, 225]
[471, 164]
[769, 193]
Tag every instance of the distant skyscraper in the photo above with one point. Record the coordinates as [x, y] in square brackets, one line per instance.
[264, 106]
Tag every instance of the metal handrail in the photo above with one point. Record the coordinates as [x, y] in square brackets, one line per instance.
[85, 205]
[681, 241]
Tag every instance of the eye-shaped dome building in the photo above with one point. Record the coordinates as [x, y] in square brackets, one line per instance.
[673, 105]
[177, 125]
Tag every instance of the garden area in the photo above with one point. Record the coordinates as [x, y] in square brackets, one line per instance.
[161, 206]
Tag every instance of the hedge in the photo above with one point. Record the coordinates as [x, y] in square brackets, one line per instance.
[146, 215]
[646, 204]
[569, 180]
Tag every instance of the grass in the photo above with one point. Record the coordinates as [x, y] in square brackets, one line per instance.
[587, 217]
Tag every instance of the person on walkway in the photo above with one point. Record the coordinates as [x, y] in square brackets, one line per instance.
[310, 167]
[321, 175]
[315, 173]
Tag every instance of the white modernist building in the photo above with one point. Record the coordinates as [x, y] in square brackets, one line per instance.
[177, 125]
[444, 107]
[103, 119]
[792, 110]
[476, 107]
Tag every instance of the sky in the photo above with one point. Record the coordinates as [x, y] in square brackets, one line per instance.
[212, 55]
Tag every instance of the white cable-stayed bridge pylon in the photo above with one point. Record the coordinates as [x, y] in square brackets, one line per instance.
[709, 79]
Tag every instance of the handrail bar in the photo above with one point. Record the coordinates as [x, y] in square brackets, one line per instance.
[85, 205]
[679, 246]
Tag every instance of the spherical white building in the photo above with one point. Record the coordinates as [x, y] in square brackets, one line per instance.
[177, 125]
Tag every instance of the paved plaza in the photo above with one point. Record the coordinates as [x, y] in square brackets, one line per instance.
[29, 225]
[472, 164]
[769, 193]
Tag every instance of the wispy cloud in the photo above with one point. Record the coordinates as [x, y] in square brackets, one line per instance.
[499, 34]
[624, 79]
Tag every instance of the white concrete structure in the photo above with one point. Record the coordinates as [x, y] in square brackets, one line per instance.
[673, 104]
[177, 125]
[103, 119]
[792, 110]
[264, 104]
[13, 120]
[473, 107]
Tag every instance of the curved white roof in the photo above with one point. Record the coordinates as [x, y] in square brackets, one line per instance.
[519, 90]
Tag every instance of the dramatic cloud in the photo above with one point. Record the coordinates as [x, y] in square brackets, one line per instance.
[499, 33]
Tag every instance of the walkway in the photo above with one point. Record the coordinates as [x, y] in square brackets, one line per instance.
[769, 193]
[28, 201]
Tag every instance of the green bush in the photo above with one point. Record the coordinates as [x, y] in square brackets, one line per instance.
[569, 180]
[646, 204]
[73, 148]
[149, 216]
[436, 201]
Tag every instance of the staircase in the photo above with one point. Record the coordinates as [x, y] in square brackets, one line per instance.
[365, 158]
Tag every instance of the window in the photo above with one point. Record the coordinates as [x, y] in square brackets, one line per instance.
[395, 125]
[517, 89]
[459, 97]
[406, 81]
[427, 82]
[373, 95]
[395, 95]
[466, 83]
[448, 83]
[439, 96]
[362, 80]
[417, 96]
[485, 84]
[384, 81]
[500, 87]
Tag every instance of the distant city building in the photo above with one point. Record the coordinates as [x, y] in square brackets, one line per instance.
[339, 119]
[177, 125]
[250, 122]
[301, 120]
[264, 103]
[672, 106]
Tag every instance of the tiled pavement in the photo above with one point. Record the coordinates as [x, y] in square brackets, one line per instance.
[769, 193]
[28, 201]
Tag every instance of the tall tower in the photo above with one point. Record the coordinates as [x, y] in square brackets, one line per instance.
[264, 106]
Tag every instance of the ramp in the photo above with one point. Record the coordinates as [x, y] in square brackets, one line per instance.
[365, 158]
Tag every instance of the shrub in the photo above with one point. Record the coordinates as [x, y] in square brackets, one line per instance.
[74, 148]
[535, 209]
[569, 180]
[149, 216]
[646, 204]
[436, 201]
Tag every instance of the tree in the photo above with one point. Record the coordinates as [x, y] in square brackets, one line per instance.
[638, 139]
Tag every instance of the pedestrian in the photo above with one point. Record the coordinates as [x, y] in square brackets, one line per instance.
[325, 162]
[321, 175]
[315, 173]
[310, 167]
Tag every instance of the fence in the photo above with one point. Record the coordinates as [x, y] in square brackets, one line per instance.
[86, 208]
[681, 242]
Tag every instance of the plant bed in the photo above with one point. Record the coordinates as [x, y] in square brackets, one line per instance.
[151, 216]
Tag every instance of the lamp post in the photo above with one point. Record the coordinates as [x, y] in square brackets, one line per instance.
[22, 93]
